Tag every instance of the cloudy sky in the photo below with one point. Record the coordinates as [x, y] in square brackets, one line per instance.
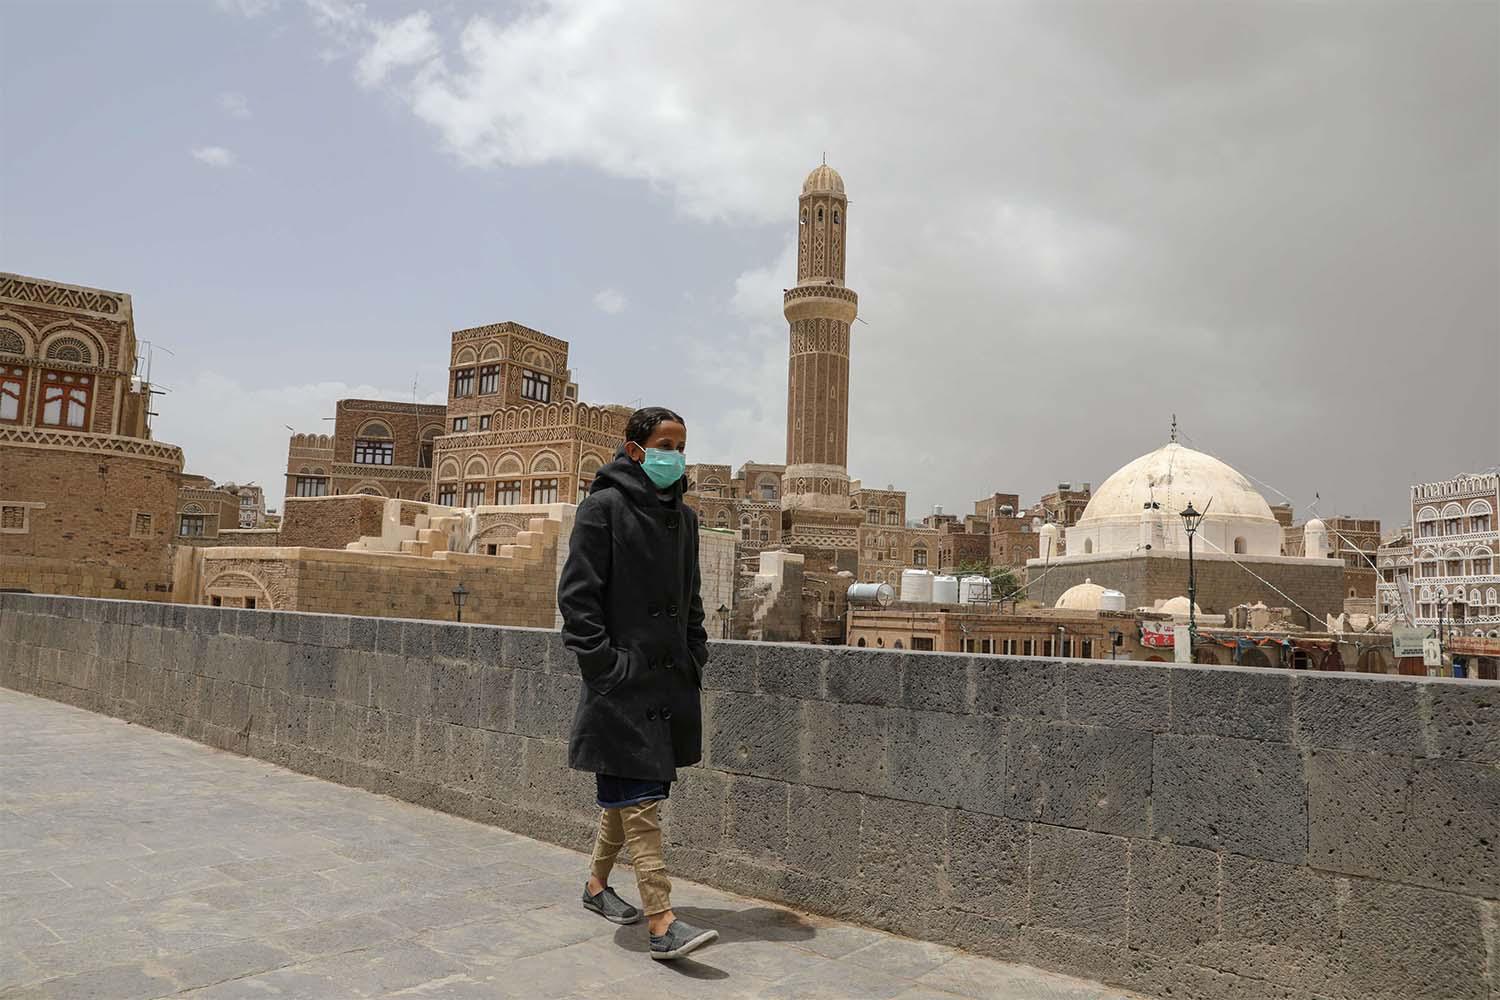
[1069, 220]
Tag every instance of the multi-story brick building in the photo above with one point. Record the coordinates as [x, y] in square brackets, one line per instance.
[884, 538]
[204, 510]
[252, 504]
[87, 498]
[1455, 542]
[378, 448]
[1352, 540]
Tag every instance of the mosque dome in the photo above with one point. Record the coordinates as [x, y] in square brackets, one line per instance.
[1085, 596]
[1178, 606]
[1139, 506]
[823, 180]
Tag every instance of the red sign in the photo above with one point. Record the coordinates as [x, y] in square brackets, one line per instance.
[1157, 636]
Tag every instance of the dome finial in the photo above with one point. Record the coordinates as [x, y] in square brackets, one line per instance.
[1174, 428]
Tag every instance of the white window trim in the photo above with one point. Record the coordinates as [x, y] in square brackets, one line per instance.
[27, 506]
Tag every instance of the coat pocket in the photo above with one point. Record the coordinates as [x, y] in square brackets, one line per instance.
[609, 680]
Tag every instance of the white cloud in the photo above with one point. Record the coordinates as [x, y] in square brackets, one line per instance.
[234, 104]
[1105, 204]
[395, 45]
[214, 156]
[610, 300]
[248, 8]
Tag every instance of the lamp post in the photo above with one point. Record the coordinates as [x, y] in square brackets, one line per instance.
[724, 621]
[1114, 641]
[1190, 521]
[460, 595]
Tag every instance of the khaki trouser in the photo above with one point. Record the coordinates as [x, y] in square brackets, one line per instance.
[640, 828]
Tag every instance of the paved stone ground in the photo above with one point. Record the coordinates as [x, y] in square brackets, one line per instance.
[134, 864]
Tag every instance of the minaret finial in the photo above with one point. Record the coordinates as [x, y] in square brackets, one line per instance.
[1174, 428]
[825, 157]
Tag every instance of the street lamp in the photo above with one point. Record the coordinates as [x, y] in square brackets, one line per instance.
[1115, 635]
[1190, 521]
[724, 621]
[460, 595]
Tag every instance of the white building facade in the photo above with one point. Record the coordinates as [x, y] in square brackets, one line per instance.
[1455, 578]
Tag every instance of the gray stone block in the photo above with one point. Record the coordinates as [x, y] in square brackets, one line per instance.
[1428, 822]
[351, 677]
[754, 734]
[823, 839]
[1402, 943]
[526, 649]
[414, 687]
[310, 628]
[388, 636]
[203, 620]
[1239, 795]
[790, 671]
[988, 860]
[901, 849]
[1079, 882]
[1463, 720]
[369, 737]
[500, 765]
[1280, 922]
[319, 725]
[936, 683]
[731, 666]
[145, 644]
[757, 817]
[1030, 688]
[696, 809]
[1118, 695]
[1075, 776]
[545, 703]
[275, 659]
[432, 751]
[1174, 899]
[418, 639]
[312, 672]
[846, 747]
[400, 753]
[1344, 712]
[485, 643]
[861, 676]
[1231, 701]
[466, 759]
[455, 692]
[362, 634]
[451, 641]
[497, 698]
[947, 760]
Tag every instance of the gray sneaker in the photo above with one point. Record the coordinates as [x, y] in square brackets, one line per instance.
[681, 938]
[610, 906]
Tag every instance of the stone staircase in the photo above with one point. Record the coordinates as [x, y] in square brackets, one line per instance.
[438, 530]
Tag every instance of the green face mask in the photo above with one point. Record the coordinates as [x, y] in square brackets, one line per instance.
[664, 467]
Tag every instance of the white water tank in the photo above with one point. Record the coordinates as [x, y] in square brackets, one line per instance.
[916, 586]
[1047, 547]
[1111, 600]
[945, 590]
[974, 590]
[877, 594]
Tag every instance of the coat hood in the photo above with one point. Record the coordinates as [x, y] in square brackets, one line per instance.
[627, 476]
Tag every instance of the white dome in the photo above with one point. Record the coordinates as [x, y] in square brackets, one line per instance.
[1178, 606]
[1119, 518]
[1085, 596]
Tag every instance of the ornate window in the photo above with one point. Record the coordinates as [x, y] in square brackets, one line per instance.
[544, 491]
[65, 399]
[872, 516]
[447, 494]
[11, 343]
[508, 492]
[311, 486]
[489, 380]
[473, 494]
[192, 525]
[535, 386]
[374, 446]
[70, 349]
[460, 424]
[463, 382]
[484, 421]
[12, 391]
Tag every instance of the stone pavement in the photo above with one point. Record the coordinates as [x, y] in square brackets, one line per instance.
[135, 864]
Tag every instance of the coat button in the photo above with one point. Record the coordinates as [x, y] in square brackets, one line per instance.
[653, 610]
[666, 713]
[672, 523]
[672, 611]
[650, 715]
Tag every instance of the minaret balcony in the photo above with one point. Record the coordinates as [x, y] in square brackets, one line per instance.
[820, 301]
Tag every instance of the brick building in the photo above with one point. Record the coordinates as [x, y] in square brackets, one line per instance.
[87, 498]
[203, 510]
[1354, 541]
[378, 448]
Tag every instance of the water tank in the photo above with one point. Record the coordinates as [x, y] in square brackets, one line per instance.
[1111, 600]
[877, 594]
[945, 590]
[974, 590]
[937, 510]
[916, 585]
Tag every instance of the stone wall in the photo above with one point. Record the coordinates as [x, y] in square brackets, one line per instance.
[1189, 832]
[331, 522]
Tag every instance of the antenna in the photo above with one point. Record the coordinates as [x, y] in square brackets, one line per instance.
[1174, 428]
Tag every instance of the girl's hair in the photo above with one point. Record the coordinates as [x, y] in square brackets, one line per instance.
[643, 422]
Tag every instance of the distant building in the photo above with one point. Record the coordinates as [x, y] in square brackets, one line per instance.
[87, 498]
[204, 509]
[377, 448]
[1352, 540]
[1455, 540]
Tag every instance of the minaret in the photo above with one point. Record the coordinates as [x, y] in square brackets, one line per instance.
[817, 519]
[819, 310]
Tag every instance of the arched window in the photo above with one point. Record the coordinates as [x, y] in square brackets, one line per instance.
[373, 445]
[1240, 547]
[65, 399]
[861, 641]
[70, 349]
[11, 342]
[835, 216]
[1088, 546]
[722, 521]
[424, 459]
[820, 213]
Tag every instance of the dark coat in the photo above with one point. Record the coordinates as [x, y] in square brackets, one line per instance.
[633, 615]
